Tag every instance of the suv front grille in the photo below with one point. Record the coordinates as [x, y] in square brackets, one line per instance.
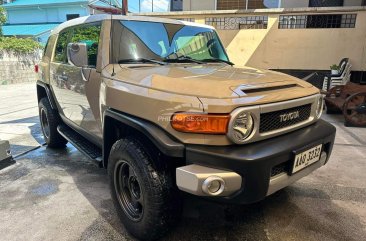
[279, 169]
[273, 121]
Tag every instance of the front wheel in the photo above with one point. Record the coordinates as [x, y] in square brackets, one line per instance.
[142, 190]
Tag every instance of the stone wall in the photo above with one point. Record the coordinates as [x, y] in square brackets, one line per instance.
[18, 68]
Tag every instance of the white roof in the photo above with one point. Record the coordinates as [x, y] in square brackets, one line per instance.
[100, 17]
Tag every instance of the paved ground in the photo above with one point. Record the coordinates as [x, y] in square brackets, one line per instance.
[61, 195]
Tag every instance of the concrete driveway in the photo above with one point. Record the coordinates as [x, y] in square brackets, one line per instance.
[61, 195]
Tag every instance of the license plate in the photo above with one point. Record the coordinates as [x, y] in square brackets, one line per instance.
[306, 158]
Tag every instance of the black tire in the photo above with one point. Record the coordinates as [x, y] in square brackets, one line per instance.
[50, 119]
[155, 202]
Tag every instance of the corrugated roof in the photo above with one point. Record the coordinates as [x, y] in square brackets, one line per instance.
[27, 29]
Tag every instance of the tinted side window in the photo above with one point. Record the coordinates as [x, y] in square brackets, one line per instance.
[88, 34]
[60, 52]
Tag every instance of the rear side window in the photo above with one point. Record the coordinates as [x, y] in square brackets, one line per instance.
[60, 51]
[89, 35]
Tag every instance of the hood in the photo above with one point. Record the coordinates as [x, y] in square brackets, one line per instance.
[208, 80]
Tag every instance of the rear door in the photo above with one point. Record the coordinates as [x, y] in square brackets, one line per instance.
[70, 82]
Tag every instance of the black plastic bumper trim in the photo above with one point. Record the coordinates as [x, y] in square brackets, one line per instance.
[254, 161]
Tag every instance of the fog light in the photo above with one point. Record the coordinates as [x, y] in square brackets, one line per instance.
[213, 185]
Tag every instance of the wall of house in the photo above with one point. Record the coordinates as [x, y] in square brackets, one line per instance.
[298, 49]
[314, 49]
[194, 5]
[44, 15]
[352, 2]
[15, 68]
[294, 4]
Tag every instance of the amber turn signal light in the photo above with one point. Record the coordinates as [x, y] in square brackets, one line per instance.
[200, 123]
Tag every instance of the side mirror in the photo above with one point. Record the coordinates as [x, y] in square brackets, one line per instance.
[77, 54]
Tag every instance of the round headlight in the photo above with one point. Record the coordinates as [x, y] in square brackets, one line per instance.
[319, 107]
[241, 127]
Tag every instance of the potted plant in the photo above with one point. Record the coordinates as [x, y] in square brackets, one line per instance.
[334, 69]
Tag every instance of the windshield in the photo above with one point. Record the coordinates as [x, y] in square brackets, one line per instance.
[136, 40]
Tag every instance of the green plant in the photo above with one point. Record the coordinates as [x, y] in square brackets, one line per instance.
[2, 19]
[19, 45]
[334, 67]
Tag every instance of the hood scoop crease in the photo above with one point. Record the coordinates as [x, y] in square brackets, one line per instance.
[257, 90]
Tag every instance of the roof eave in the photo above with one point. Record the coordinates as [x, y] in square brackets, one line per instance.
[9, 6]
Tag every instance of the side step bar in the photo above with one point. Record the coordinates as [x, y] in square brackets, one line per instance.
[82, 144]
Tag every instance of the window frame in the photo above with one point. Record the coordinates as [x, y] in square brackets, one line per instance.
[66, 30]
[68, 40]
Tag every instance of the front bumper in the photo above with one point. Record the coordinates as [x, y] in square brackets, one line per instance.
[257, 162]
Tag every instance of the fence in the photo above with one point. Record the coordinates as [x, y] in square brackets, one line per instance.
[18, 68]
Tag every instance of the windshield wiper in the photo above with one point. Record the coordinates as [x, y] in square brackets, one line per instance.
[181, 59]
[218, 60]
[140, 60]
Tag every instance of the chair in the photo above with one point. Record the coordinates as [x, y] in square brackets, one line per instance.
[341, 78]
[349, 99]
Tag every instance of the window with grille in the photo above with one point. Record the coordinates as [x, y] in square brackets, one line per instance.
[232, 23]
[186, 19]
[243, 4]
[230, 4]
[326, 3]
[317, 21]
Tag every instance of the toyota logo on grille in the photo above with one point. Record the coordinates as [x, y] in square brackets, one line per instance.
[289, 116]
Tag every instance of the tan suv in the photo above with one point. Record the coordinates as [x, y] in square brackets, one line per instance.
[158, 103]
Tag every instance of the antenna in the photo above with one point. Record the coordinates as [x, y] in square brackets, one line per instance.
[111, 38]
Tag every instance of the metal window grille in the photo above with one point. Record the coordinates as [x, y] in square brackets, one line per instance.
[245, 4]
[317, 21]
[230, 4]
[233, 23]
[186, 19]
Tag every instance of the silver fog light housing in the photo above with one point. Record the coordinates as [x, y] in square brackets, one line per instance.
[240, 127]
[319, 106]
[213, 185]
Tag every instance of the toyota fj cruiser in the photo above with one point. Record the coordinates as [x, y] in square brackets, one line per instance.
[158, 103]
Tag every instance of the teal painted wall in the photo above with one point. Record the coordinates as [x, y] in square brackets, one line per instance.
[44, 14]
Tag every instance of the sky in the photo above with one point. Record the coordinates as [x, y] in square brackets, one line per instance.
[146, 5]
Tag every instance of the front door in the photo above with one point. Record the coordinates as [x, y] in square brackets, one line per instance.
[70, 83]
